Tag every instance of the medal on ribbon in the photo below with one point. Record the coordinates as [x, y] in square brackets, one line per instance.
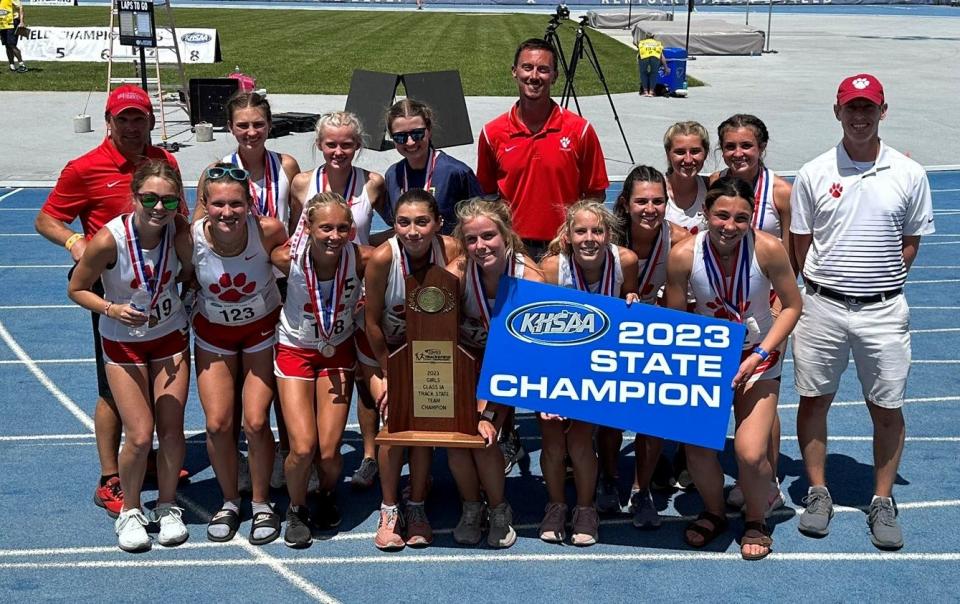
[325, 311]
[480, 292]
[431, 167]
[266, 201]
[650, 264]
[761, 197]
[154, 286]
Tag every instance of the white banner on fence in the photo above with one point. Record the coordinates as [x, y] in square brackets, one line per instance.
[51, 2]
[92, 44]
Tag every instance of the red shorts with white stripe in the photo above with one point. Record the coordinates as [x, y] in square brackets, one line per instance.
[309, 363]
[228, 340]
[142, 352]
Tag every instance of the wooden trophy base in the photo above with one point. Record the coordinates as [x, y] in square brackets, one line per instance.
[423, 438]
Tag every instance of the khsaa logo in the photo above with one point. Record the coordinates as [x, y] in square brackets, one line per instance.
[196, 37]
[557, 323]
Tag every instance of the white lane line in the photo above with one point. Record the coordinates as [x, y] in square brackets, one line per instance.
[940, 330]
[928, 281]
[915, 361]
[80, 551]
[261, 557]
[16, 266]
[942, 235]
[10, 194]
[929, 243]
[19, 234]
[911, 401]
[925, 308]
[19, 209]
[38, 373]
[944, 190]
[46, 361]
[42, 306]
[485, 558]
[935, 266]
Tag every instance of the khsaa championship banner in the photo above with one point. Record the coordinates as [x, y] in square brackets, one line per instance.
[589, 357]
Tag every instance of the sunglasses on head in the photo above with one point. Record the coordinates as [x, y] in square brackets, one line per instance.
[416, 134]
[149, 200]
[238, 174]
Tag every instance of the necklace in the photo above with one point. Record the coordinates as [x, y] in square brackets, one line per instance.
[223, 250]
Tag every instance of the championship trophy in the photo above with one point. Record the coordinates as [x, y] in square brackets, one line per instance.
[432, 379]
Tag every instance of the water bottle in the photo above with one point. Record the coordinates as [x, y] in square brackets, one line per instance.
[140, 302]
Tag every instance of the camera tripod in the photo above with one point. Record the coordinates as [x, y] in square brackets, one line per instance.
[582, 48]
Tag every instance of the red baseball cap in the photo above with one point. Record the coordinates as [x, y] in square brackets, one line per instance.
[126, 97]
[860, 86]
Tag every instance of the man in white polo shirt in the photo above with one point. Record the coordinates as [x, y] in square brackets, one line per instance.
[858, 212]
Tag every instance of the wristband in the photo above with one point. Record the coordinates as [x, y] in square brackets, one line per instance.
[106, 309]
[763, 353]
[71, 240]
[489, 415]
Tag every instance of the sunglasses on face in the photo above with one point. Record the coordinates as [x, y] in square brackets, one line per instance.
[238, 174]
[416, 134]
[149, 200]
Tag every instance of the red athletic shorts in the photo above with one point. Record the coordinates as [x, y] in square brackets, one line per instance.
[142, 352]
[309, 363]
[229, 340]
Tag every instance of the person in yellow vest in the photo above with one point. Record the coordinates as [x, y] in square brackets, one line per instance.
[11, 19]
[649, 58]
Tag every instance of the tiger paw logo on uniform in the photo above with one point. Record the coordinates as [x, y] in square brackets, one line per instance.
[861, 83]
[836, 190]
[565, 142]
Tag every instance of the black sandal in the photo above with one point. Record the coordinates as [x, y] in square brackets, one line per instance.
[709, 534]
[265, 520]
[763, 540]
[227, 518]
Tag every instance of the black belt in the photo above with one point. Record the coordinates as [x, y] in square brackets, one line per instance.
[833, 294]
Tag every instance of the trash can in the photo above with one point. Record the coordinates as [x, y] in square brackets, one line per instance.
[675, 82]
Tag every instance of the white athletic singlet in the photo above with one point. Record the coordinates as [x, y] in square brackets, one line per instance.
[393, 321]
[565, 276]
[298, 323]
[234, 290]
[277, 194]
[119, 283]
[653, 277]
[473, 328]
[360, 204]
[708, 304]
[766, 218]
[692, 218]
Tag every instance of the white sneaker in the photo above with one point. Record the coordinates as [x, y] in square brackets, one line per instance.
[131, 531]
[172, 529]
[277, 478]
[244, 484]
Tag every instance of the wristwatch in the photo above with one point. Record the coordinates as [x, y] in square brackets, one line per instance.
[490, 415]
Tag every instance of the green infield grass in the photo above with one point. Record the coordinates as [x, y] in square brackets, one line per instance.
[315, 52]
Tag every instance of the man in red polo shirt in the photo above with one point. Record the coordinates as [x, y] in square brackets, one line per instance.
[95, 188]
[540, 157]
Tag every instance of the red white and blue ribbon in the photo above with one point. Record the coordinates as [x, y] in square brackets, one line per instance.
[650, 264]
[325, 311]
[406, 264]
[606, 278]
[266, 201]
[480, 292]
[154, 285]
[733, 291]
[431, 168]
[349, 191]
[761, 197]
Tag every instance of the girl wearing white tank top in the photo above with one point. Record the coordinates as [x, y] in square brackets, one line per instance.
[491, 250]
[418, 245]
[641, 213]
[316, 357]
[686, 145]
[148, 374]
[339, 137]
[234, 325]
[743, 143]
[730, 253]
[580, 257]
[249, 120]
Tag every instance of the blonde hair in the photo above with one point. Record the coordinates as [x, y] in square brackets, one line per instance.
[561, 243]
[497, 211]
[340, 119]
[327, 198]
